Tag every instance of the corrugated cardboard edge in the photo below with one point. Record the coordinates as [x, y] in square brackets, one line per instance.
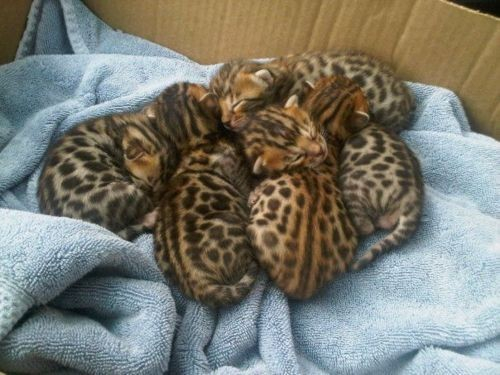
[429, 41]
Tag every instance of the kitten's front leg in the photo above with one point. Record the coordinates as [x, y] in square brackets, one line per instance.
[255, 194]
[150, 218]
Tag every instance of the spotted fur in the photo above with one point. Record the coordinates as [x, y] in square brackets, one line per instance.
[245, 86]
[91, 173]
[300, 229]
[200, 234]
[382, 187]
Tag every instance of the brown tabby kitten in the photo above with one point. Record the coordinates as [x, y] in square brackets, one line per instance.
[87, 176]
[185, 114]
[200, 234]
[245, 86]
[338, 106]
[382, 186]
[299, 226]
[281, 138]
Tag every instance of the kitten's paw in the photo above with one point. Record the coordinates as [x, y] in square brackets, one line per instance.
[255, 194]
[388, 221]
[364, 227]
[150, 218]
[252, 198]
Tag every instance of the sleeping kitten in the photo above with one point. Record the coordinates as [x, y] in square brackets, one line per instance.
[382, 187]
[281, 138]
[200, 235]
[86, 174]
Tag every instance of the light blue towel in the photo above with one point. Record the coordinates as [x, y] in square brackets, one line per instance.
[76, 298]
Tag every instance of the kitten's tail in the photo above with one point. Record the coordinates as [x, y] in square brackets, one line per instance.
[217, 295]
[405, 227]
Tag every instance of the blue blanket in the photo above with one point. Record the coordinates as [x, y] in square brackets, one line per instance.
[76, 298]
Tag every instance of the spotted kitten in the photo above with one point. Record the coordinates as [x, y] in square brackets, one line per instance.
[200, 234]
[245, 86]
[299, 225]
[281, 138]
[91, 174]
[382, 187]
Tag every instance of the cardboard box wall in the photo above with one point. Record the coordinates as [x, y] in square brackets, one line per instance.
[429, 41]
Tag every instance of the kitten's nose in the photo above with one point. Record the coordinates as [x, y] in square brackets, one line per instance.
[315, 150]
[226, 117]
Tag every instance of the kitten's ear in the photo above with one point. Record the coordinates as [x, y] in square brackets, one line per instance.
[258, 165]
[307, 88]
[360, 117]
[293, 101]
[359, 120]
[149, 111]
[263, 78]
[132, 145]
[210, 104]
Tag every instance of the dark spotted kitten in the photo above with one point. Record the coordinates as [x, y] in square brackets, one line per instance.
[281, 138]
[200, 234]
[382, 187]
[299, 225]
[91, 173]
[243, 87]
[108, 171]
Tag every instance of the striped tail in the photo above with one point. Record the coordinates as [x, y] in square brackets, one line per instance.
[405, 227]
[216, 295]
[132, 231]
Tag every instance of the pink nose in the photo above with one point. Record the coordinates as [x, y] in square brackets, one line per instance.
[315, 150]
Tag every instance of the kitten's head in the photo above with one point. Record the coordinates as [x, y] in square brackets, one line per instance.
[338, 105]
[280, 138]
[186, 112]
[243, 86]
[147, 155]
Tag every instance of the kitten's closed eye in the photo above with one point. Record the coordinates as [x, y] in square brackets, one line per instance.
[134, 153]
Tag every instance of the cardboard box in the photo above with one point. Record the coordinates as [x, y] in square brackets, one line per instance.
[430, 41]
